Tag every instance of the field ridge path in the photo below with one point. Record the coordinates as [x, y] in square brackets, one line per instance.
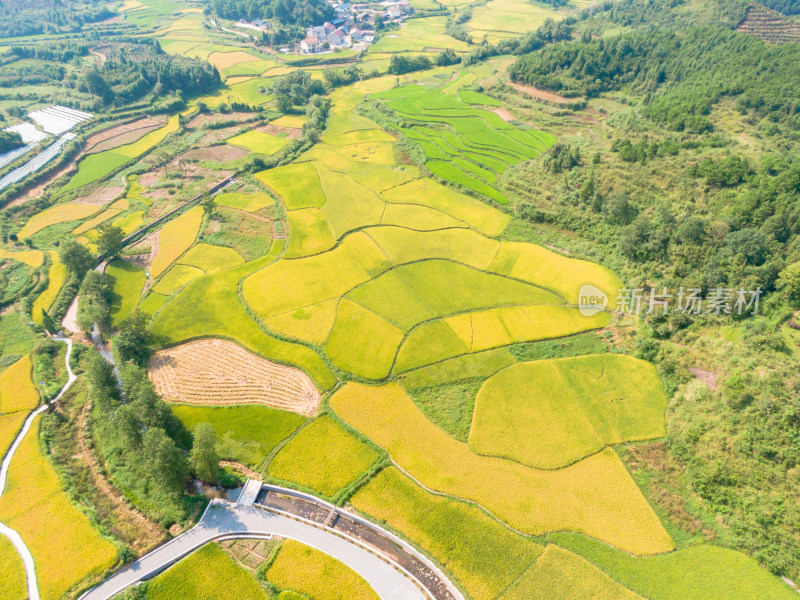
[13, 536]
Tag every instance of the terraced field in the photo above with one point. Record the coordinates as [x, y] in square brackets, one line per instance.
[595, 496]
[466, 146]
[394, 354]
[62, 540]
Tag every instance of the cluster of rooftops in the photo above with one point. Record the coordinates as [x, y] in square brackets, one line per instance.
[354, 25]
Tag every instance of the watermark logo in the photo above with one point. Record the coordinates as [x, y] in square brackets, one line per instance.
[718, 301]
[591, 300]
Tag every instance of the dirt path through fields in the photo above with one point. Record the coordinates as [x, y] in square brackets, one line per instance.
[542, 94]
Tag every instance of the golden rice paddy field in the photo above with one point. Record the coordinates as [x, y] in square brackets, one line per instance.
[316, 575]
[65, 546]
[595, 496]
[390, 284]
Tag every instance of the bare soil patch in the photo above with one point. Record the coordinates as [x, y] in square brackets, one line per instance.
[122, 134]
[150, 178]
[222, 153]
[707, 377]
[219, 372]
[127, 137]
[100, 195]
[209, 118]
[505, 115]
[292, 133]
[542, 94]
[218, 135]
[149, 249]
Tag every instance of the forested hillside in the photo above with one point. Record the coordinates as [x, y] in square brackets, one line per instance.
[19, 18]
[682, 75]
[287, 12]
[130, 69]
[696, 186]
[787, 7]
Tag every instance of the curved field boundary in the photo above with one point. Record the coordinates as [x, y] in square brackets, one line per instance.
[208, 371]
[16, 539]
[225, 519]
[405, 546]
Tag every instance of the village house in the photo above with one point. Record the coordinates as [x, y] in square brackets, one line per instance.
[311, 44]
[336, 38]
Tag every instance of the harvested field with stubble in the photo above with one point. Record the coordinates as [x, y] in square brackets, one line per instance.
[222, 153]
[100, 195]
[219, 372]
[204, 119]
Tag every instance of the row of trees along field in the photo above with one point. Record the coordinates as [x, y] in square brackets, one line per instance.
[138, 436]
[304, 13]
[10, 140]
[20, 18]
[133, 69]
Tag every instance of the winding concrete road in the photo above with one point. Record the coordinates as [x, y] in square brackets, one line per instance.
[223, 519]
[16, 539]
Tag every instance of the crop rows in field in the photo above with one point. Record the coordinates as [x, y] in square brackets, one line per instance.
[96, 166]
[127, 282]
[57, 275]
[175, 238]
[221, 372]
[60, 213]
[206, 573]
[209, 306]
[466, 146]
[500, 19]
[246, 434]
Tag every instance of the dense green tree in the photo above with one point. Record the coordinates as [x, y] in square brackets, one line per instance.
[209, 206]
[303, 13]
[97, 85]
[10, 140]
[19, 19]
[75, 256]
[789, 283]
[133, 340]
[93, 301]
[400, 64]
[109, 244]
[165, 466]
[684, 74]
[295, 89]
[203, 457]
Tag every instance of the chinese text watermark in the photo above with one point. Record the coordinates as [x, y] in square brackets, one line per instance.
[716, 301]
